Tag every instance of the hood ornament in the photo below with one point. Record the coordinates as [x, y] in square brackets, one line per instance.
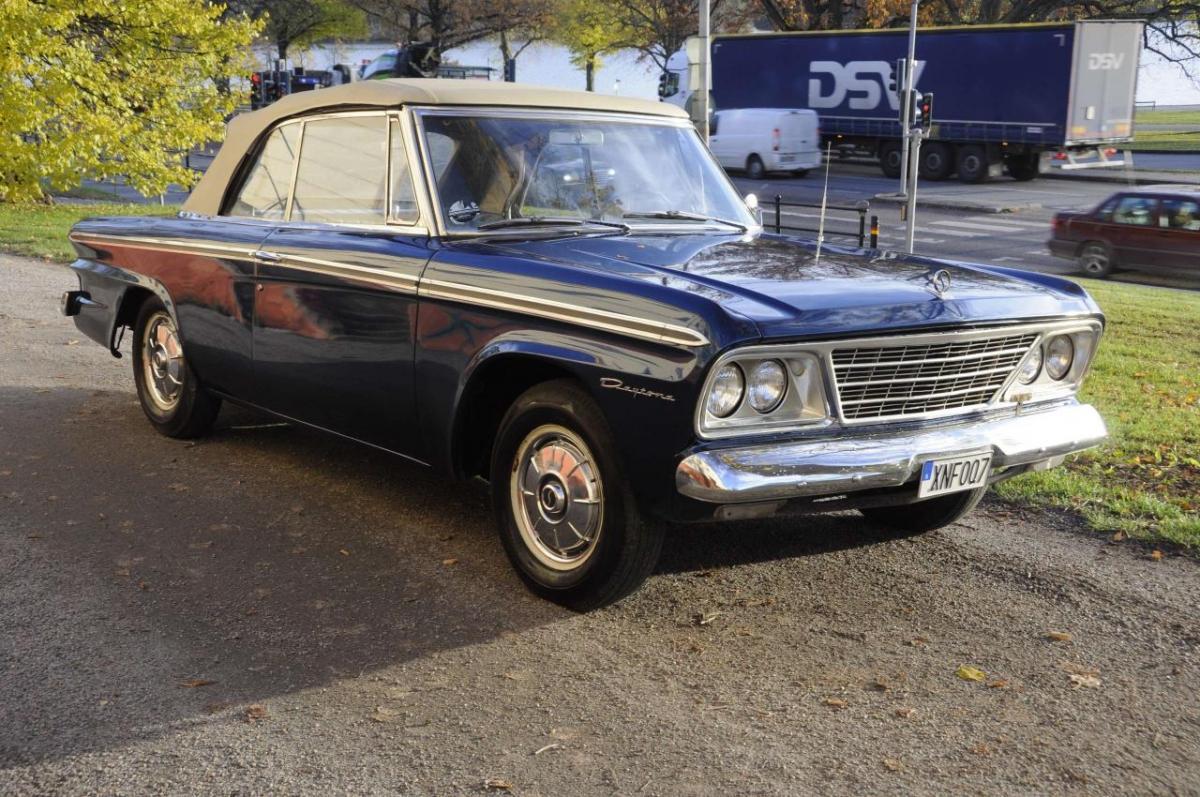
[939, 282]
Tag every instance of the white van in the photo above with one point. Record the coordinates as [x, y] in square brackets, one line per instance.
[761, 140]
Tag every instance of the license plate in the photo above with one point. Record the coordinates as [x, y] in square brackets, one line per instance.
[952, 475]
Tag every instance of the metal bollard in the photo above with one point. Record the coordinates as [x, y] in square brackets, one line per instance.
[778, 201]
[874, 232]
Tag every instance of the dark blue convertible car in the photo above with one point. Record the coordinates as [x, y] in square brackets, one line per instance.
[562, 293]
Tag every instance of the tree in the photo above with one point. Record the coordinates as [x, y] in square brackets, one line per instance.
[517, 24]
[299, 23]
[94, 90]
[589, 29]
[658, 28]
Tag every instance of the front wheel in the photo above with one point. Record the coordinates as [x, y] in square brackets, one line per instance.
[170, 394]
[565, 513]
[922, 516]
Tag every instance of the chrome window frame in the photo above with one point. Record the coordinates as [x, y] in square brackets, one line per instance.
[823, 350]
[390, 224]
[417, 112]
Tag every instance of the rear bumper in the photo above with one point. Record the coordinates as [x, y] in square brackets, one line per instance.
[794, 161]
[1062, 248]
[833, 466]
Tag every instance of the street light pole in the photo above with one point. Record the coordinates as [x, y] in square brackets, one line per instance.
[703, 69]
[910, 167]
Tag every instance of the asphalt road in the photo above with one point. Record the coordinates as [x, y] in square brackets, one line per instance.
[1002, 222]
[272, 611]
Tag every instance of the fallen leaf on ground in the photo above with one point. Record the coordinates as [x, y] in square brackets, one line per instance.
[981, 749]
[970, 673]
[705, 618]
[1058, 636]
[999, 683]
[255, 712]
[343, 552]
[450, 562]
[1119, 536]
[893, 764]
[1084, 681]
[195, 683]
[383, 714]
[547, 748]
[1156, 555]
[499, 784]
[178, 487]
[1078, 669]
[917, 642]
[906, 712]
[835, 702]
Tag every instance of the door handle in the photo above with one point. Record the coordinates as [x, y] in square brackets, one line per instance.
[267, 257]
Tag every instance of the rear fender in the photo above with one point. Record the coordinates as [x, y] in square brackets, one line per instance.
[117, 293]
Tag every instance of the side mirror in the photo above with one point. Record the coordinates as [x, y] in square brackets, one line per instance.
[751, 201]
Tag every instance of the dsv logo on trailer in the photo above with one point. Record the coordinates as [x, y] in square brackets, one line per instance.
[865, 81]
[1105, 61]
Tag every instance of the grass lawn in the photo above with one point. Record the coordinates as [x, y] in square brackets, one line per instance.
[1146, 382]
[1166, 140]
[41, 230]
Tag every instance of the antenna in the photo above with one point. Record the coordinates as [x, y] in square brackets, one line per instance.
[824, 199]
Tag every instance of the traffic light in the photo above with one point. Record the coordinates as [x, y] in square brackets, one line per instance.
[925, 106]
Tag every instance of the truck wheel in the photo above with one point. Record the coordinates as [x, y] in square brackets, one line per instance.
[972, 164]
[566, 516]
[928, 515]
[937, 160]
[1024, 167]
[754, 168]
[890, 156]
[1095, 260]
[170, 394]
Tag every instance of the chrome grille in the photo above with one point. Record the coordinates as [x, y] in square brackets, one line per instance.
[889, 381]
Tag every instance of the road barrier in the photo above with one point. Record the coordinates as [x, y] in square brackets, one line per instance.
[865, 236]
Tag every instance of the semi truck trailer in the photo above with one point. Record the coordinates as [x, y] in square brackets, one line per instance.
[1008, 97]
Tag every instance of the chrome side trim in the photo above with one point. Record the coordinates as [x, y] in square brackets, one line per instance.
[203, 248]
[619, 323]
[863, 461]
[331, 268]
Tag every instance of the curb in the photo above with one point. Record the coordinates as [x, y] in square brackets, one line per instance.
[961, 204]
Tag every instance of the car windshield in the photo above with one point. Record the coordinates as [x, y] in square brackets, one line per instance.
[499, 173]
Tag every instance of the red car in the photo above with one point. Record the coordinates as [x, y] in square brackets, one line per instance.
[1156, 228]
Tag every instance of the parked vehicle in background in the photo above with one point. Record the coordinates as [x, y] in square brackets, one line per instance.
[1005, 95]
[762, 140]
[419, 61]
[268, 85]
[561, 292]
[1156, 228]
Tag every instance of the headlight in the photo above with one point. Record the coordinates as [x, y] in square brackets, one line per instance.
[768, 384]
[1060, 354]
[1031, 367]
[726, 392]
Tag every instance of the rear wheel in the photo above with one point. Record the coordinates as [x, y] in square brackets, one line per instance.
[926, 515]
[169, 391]
[890, 156]
[754, 168]
[972, 163]
[937, 160]
[566, 516]
[1096, 260]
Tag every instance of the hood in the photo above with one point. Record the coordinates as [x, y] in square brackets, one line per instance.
[780, 284]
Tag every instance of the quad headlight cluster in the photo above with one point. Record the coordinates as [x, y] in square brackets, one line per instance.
[1056, 364]
[767, 392]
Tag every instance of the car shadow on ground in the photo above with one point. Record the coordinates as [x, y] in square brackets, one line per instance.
[149, 583]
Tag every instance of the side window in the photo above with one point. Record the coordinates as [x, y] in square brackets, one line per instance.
[1135, 210]
[1106, 210]
[265, 192]
[1180, 214]
[404, 199]
[341, 178]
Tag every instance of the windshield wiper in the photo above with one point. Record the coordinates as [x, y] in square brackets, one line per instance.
[681, 215]
[563, 221]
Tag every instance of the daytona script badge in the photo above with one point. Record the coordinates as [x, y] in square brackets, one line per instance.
[616, 384]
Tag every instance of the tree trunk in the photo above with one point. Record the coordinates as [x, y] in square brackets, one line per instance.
[510, 66]
[590, 71]
[283, 48]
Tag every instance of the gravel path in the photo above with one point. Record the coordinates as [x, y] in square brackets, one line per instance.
[270, 610]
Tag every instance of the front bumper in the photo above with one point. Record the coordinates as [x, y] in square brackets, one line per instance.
[864, 461]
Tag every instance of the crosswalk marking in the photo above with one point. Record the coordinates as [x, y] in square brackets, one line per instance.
[942, 230]
[1014, 223]
[969, 225]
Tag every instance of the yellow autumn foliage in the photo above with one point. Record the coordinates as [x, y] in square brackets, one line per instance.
[113, 87]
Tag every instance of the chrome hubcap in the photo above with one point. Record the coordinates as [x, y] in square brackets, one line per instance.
[1094, 260]
[162, 360]
[557, 497]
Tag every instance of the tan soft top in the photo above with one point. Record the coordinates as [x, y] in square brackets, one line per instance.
[245, 129]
